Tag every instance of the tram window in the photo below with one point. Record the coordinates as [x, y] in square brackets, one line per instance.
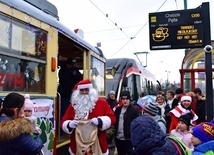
[29, 40]
[23, 50]
[4, 36]
[22, 38]
[21, 75]
[97, 75]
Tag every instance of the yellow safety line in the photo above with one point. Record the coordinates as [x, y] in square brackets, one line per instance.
[63, 144]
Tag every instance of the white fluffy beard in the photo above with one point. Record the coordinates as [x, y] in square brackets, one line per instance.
[83, 104]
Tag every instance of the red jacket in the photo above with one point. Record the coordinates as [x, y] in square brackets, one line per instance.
[176, 113]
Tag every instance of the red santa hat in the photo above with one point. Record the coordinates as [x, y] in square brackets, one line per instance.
[28, 102]
[83, 84]
[186, 97]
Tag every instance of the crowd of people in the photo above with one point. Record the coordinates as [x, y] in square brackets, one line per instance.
[167, 126]
[171, 125]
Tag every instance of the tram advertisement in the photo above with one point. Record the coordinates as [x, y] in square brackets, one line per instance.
[43, 110]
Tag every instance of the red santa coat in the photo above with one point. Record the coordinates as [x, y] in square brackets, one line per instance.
[176, 113]
[101, 110]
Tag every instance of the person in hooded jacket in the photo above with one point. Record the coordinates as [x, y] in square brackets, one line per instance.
[148, 138]
[203, 138]
[15, 131]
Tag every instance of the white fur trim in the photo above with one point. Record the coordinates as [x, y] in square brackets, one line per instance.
[65, 128]
[83, 86]
[195, 118]
[106, 122]
[186, 98]
[69, 150]
[106, 152]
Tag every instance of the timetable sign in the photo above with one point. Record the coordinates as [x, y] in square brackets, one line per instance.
[177, 29]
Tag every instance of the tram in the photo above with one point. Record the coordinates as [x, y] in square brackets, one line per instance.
[128, 74]
[34, 44]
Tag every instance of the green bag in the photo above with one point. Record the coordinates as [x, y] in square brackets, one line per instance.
[185, 150]
[209, 153]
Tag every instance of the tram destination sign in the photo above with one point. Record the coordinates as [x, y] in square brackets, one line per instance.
[177, 29]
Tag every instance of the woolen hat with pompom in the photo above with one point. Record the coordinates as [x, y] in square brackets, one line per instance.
[28, 102]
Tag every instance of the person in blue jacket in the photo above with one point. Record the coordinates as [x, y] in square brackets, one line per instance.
[148, 139]
[203, 138]
[15, 131]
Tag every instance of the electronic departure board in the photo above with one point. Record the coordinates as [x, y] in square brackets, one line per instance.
[177, 29]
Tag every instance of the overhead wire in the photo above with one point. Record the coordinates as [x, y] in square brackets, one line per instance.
[138, 30]
[176, 4]
[107, 16]
[167, 54]
[126, 27]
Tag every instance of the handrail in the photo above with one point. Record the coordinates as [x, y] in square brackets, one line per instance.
[59, 115]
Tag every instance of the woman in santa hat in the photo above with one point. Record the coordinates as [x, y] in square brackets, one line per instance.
[183, 108]
[86, 107]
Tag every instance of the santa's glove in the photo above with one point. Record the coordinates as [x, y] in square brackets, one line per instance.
[97, 121]
[73, 124]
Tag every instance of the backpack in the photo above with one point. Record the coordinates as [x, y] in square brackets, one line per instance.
[179, 145]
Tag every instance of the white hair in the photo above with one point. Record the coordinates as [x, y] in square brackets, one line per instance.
[84, 103]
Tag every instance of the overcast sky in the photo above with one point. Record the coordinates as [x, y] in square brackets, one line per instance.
[132, 17]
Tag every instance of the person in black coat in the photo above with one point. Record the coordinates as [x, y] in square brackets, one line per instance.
[69, 76]
[200, 106]
[125, 114]
[176, 100]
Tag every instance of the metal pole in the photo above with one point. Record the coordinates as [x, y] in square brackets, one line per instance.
[209, 84]
[208, 62]
[185, 4]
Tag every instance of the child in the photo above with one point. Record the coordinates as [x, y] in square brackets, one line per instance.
[183, 108]
[182, 130]
[203, 138]
[28, 114]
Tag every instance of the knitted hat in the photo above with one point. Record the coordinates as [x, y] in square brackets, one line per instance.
[83, 84]
[28, 102]
[151, 109]
[125, 95]
[204, 131]
[186, 119]
[186, 97]
[179, 91]
[112, 92]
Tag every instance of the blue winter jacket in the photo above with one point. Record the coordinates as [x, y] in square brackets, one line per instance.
[16, 138]
[148, 138]
[204, 149]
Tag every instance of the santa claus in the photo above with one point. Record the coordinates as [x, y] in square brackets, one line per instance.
[93, 112]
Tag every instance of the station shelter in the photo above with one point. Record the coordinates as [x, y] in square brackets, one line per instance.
[192, 72]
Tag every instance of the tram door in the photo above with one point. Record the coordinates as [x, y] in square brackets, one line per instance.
[70, 72]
